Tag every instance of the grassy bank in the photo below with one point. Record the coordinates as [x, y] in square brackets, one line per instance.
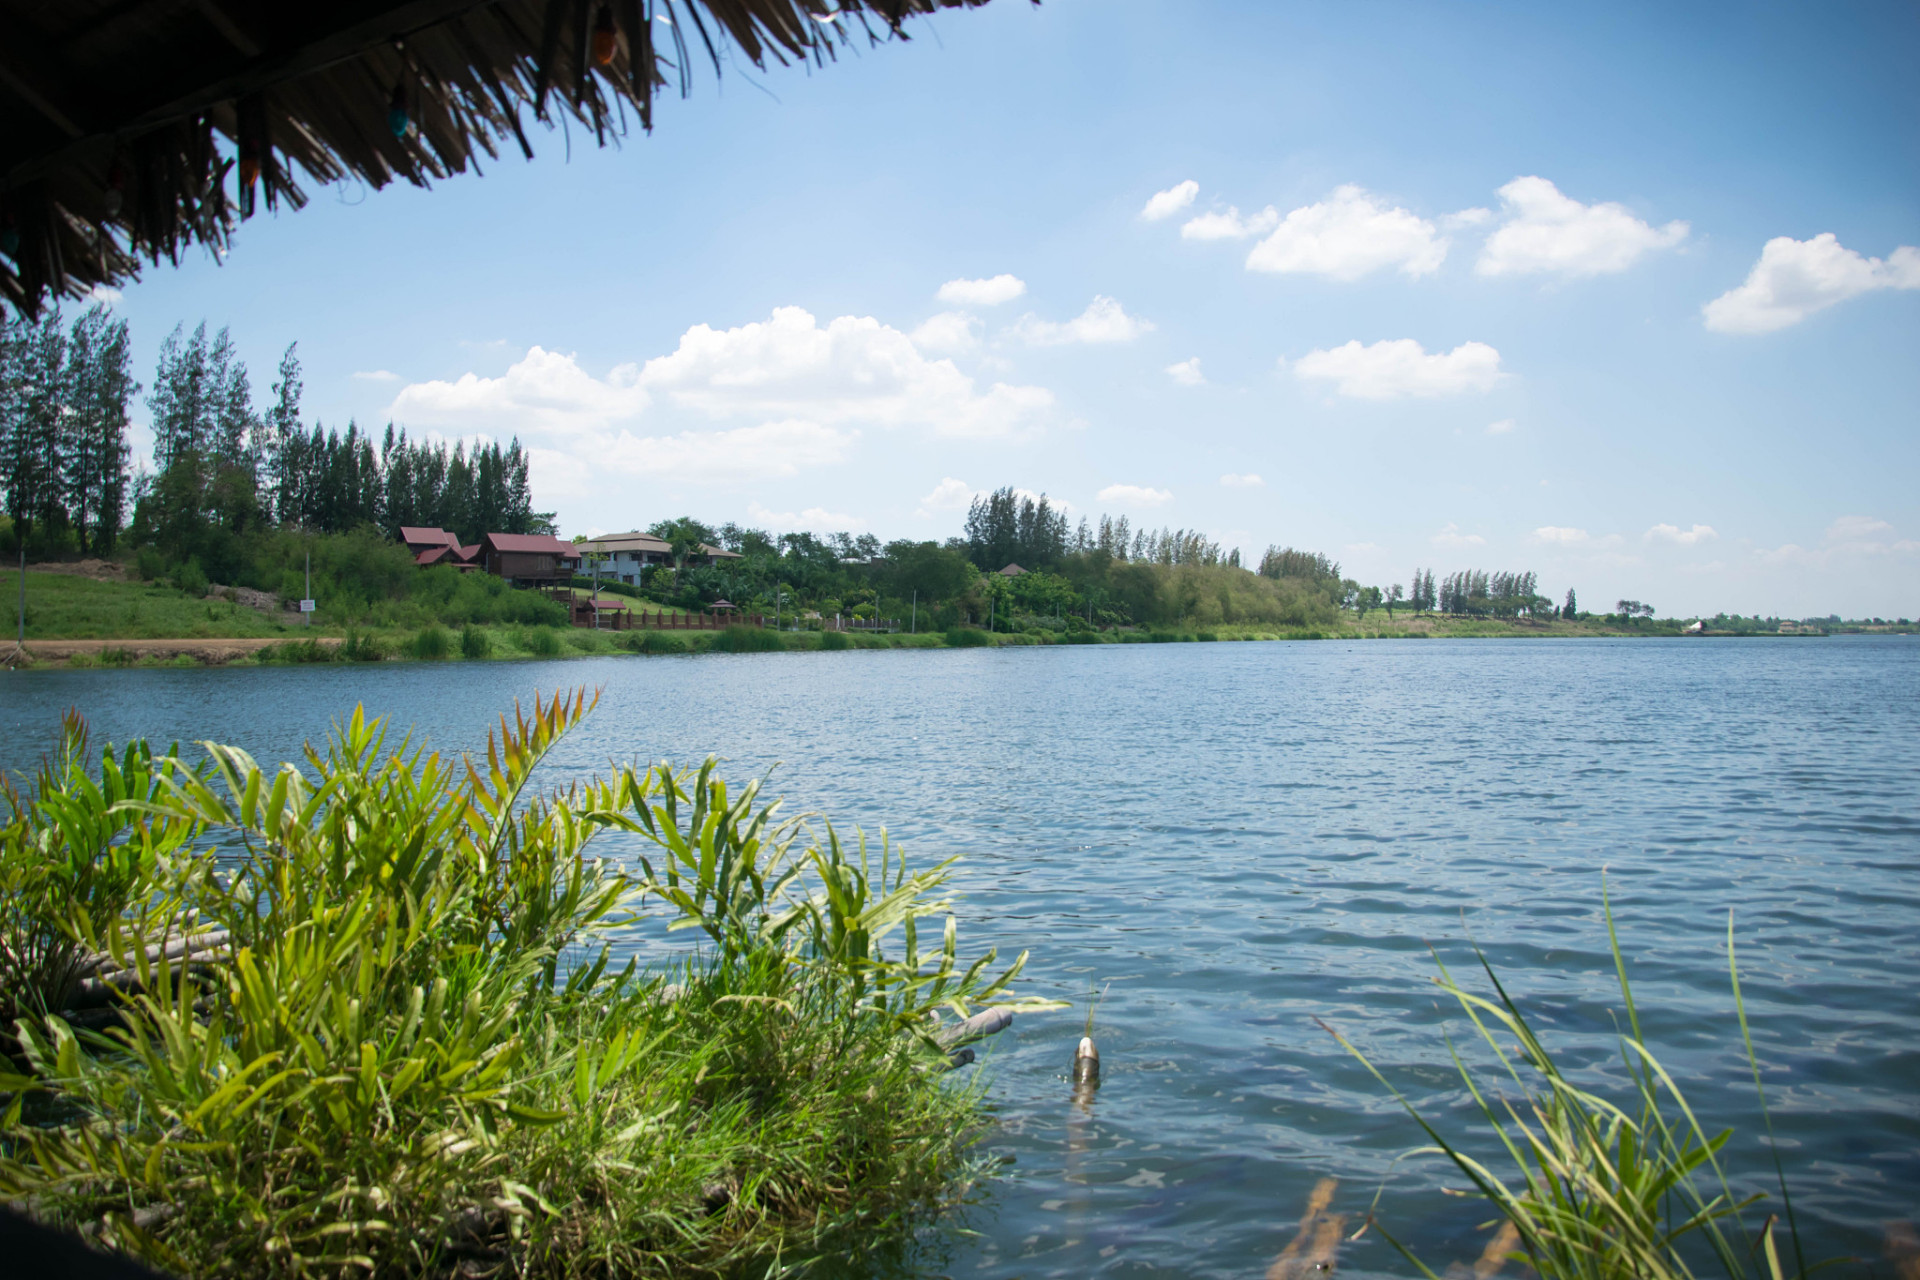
[392, 1041]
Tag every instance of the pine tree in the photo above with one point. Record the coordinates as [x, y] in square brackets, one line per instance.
[279, 427]
[181, 399]
[100, 382]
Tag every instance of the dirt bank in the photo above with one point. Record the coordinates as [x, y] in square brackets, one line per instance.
[211, 651]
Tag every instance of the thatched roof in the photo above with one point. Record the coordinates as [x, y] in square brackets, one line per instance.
[132, 129]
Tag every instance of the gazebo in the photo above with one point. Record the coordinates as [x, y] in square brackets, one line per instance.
[133, 129]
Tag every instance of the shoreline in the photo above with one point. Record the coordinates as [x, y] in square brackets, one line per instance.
[506, 644]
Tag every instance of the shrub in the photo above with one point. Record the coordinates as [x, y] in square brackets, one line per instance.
[968, 637]
[191, 578]
[298, 651]
[362, 647]
[662, 642]
[405, 1007]
[834, 640]
[541, 642]
[474, 643]
[432, 643]
[748, 640]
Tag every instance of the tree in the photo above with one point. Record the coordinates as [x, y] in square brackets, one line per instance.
[683, 537]
[279, 460]
[1570, 610]
[1395, 594]
[100, 385]
[35, 434]
[1368, 599]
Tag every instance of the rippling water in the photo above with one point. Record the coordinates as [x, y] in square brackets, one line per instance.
[1237, 840]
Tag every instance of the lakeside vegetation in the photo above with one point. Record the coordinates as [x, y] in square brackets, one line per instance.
[1602, 1182]
[388, 1036]
[251, 507]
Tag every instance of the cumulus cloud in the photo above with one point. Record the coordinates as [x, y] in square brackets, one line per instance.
[377, 375]
[1133, 495]
[1229, 225]
[1543, 230]
[1849, 536]
[1396, 368]
[1187, 372]
[948, 331]
[1501, 427]
[813, 519]
[1165, 204]
[771, 450]
[104, 294]
[854, 369]
[1795, 278]
[990, 292]
[949, 495]
[1247, 481]
[1104, 320]
[1856, 528]
[544, 392]
[1348, 235]
[1560, 535]
[1451, 538]
[1684, 537]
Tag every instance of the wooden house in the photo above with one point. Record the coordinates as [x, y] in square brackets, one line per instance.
[529, 559]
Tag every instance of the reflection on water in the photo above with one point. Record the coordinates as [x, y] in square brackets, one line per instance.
[1242, 838]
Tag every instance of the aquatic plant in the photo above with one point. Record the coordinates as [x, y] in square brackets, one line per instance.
[1599, 1189]
[743, 639]
[475, 643]
[398, 1044]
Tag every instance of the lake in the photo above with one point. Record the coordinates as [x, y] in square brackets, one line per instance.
[1237, 841]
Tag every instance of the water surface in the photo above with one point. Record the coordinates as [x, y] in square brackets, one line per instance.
[1241, 841]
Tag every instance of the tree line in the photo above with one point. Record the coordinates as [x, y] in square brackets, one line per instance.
[224, 467]
[64, 392]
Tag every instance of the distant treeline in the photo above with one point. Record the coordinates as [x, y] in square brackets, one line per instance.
[228, 472]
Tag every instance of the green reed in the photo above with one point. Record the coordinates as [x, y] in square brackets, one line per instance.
[1597, 1188]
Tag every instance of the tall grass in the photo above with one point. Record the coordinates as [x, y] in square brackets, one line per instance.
[1602, 1189]
[406, 1050]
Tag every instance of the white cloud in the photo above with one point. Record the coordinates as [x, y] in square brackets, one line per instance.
[771, 450]
[1544, 230]
[1248, 481]
[379, 375]
[1560, 535]
[104, 294]
[1466, 218]
[1133, 495]
[1500, 428]
[1795, 278]
[1856, 528]
[1229, 225]
[949, 495]
[854, 369]
[1348, 235]
[947, 331]
[1400, 367]
[1685, 537]
[990, 292]
[545, 392]
[813, 519]
[1165, 204]
[1451, 538]
[1104, 320]
[1187, 372]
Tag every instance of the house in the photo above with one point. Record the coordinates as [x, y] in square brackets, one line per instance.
[529, 559]
[436, 546]
[628, 555]
[1012, 571]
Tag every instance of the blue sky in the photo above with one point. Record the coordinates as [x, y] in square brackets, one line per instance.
[1621, 294]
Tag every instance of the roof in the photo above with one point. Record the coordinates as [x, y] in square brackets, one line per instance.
[719, 553]
[531, 544]
[128, 115]
[421, 536]
[635, 541]
[433, 555]
[1012, 571]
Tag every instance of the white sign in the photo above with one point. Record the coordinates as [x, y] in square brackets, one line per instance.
[306, 606]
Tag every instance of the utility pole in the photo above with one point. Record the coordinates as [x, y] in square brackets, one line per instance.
[20, 641]
[306, 597]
